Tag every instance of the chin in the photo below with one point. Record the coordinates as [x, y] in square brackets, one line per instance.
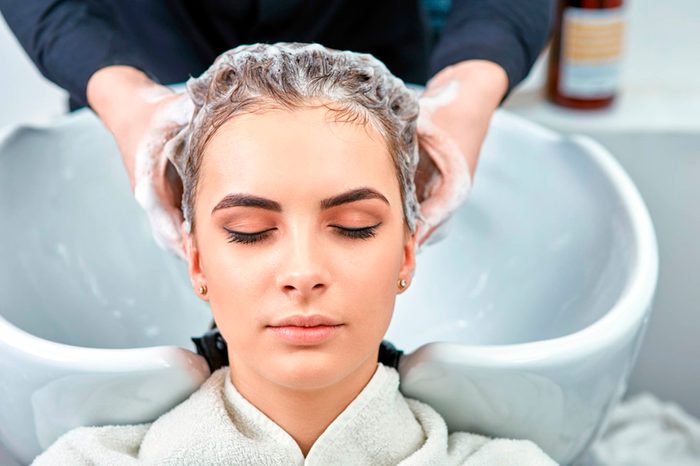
[310, 368]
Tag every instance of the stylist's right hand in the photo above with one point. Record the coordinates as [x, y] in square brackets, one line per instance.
[143, 117]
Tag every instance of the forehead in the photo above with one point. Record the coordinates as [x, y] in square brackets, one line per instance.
[302, 148]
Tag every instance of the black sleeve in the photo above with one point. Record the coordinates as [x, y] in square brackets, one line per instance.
[68, 40]
[508, 32]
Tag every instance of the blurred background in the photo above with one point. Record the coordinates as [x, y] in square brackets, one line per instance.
[652, 128]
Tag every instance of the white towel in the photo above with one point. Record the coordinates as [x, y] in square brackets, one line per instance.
[645, 431]
[216, 425]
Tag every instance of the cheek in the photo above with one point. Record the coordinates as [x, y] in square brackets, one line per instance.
[236, 291]
[371, 281]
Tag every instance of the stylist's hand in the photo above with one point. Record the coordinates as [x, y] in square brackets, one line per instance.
[455, 111]
[143, 116]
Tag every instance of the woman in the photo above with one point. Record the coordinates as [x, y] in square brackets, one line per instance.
[300, 218]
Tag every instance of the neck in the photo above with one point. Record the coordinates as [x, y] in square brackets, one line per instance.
[303, 414]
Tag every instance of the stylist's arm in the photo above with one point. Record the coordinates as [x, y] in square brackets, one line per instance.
[486, 48]
[143, 116]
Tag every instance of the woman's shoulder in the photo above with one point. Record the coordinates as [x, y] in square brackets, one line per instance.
[470, 449]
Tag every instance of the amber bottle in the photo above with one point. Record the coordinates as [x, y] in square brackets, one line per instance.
[584, 61]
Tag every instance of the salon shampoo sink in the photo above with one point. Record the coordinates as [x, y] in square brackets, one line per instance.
[523, 322]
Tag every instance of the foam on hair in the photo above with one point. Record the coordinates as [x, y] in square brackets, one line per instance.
[292, 75]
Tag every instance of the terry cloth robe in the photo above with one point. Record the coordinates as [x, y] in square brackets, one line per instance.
[216, 425]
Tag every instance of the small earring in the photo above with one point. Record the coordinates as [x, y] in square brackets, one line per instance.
[403, 283]
[202, 289]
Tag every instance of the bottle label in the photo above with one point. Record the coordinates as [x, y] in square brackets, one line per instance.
[591, 50]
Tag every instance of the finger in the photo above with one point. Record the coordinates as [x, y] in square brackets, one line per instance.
[447, 194]
[162, 225]
[452, 164]
[431, 212]
[423, 233]
[166, 222]
[176, 245]
[426, 172]
[428, 234]
[173, 110]
[179, 110]
[156, 196]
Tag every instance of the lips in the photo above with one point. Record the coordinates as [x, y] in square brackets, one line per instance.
[300, 320]
[306, 329]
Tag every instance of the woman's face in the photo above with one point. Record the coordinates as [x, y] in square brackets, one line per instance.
[273, 216]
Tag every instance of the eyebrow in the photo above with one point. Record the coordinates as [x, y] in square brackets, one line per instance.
[248, 200]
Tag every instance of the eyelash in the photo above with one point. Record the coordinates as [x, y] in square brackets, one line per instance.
[354, 233]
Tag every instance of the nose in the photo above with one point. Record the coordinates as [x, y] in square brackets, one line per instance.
[302, 272]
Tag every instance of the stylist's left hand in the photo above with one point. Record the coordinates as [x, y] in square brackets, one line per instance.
[455, 111]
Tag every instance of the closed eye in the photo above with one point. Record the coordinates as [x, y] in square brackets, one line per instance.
[363, 233]
[358, 233]
[246, 238]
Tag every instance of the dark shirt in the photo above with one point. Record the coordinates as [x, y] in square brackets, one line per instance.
[171, 40]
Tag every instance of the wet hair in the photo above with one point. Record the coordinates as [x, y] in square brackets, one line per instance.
[356, 87]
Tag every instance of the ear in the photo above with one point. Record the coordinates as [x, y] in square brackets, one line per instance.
[194, 266]
[408, 263]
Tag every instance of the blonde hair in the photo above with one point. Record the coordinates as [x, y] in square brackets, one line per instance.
[287, 75]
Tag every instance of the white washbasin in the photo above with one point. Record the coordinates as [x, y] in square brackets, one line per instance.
[524, 322]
